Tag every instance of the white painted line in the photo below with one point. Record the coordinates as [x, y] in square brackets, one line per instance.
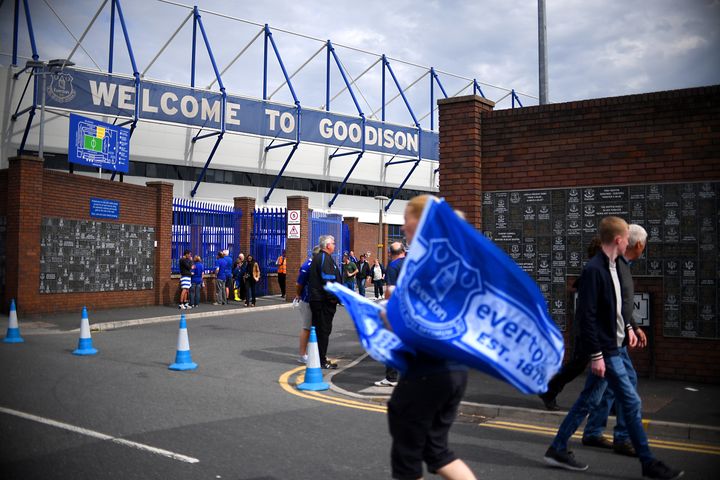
[100, 436]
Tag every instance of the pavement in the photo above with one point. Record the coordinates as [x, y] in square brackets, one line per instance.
[676, 409]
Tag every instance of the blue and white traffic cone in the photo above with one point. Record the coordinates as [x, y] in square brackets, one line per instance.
[13, 331]
[183, 359]
[85, 345]
[313, 372]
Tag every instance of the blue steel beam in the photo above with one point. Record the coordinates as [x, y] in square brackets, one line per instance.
[16, 22]
[31, 32]
[476, 88]
[417, 124]
[197, 22]
[296, 143]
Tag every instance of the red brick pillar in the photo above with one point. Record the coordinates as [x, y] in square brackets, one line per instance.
[165, 287]
[247, 206]
[461, 153]
[297, 248]
[24, 217]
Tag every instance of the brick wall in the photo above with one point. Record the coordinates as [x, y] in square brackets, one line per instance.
[671, 136]
[364, 238]
[33, 193]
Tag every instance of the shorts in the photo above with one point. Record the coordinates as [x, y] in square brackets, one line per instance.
[185, 283]
[230, 283]
[420, 414]
[305, 315]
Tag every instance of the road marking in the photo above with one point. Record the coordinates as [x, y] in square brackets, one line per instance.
[549, 431]
[290, 387]
[100, 436]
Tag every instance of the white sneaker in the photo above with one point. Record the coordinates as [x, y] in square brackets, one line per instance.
[385, 383]
[188, 306]
[302, 359]
[181, 306]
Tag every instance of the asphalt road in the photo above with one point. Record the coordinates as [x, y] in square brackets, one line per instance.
[125, 415]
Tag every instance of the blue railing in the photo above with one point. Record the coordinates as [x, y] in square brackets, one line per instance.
[204, 229]
[267, 242]
[327, 224]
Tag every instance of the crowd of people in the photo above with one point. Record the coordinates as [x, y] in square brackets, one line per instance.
[235, 280]
[426, 397]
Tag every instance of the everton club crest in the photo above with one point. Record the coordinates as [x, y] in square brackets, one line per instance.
[442, 284]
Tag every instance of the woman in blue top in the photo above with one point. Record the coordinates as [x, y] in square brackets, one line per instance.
[196, 281]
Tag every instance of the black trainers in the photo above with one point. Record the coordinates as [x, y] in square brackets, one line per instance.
[564, 460]
[624, 448]
[657, 469]
[597, 442]
[330, 366]
[549, 401]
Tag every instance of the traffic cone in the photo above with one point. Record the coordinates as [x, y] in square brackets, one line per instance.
[13, 332]
[85, 345]
[313, 372]
[183, 360]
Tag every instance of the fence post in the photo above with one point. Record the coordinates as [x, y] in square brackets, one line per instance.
[164, 291]
[247, 206]
[297, 248]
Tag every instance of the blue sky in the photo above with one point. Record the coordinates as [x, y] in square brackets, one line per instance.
[596, 48]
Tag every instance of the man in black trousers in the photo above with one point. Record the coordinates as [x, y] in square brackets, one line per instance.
[323, 303]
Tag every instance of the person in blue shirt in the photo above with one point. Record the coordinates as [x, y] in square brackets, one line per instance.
[228, 264]
[220, 296]
[197, 281]
[302, 300]
[238, 273]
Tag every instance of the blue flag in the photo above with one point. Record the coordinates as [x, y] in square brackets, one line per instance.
[461, 298]
[382, 344]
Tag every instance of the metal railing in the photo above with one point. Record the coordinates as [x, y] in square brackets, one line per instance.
[204, 229]
[267, 242]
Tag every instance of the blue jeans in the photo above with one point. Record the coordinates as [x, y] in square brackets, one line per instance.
[597, 421]
[195, 294]
[350, 284]
[361, 287]
[616, 376]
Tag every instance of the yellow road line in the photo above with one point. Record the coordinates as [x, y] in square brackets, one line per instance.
[284, 382]
[291, 388]
[547, 431]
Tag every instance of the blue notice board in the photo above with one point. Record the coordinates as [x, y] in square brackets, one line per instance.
[104, 208]
[98, 144]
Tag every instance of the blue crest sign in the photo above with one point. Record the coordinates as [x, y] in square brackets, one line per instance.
[460, 297]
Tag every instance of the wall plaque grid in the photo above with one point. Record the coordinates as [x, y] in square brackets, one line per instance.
[547, 233]
[90, 256]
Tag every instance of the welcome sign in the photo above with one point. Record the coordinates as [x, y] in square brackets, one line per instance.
[114, 95]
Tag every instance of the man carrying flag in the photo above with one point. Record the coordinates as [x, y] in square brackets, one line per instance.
[455, 312]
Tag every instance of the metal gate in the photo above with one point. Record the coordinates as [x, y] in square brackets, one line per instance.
[267, 242]
[327, 224]
[204, 229]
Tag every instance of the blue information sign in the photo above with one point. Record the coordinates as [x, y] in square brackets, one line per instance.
[104, 208]
[98, 144]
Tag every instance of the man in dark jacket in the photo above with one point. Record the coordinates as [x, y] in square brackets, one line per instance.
[363, 272]
[322, 303]
[603, 330]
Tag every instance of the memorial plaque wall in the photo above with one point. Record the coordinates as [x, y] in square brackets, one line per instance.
[547, 233]
[89, 256]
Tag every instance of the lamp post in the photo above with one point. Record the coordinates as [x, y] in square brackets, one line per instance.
[382, 199]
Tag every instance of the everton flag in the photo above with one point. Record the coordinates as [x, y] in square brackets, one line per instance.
[462, 298]
[382, 344]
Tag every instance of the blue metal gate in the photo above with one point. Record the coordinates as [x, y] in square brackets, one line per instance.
[204, 229]
[267, 242]
[327, 224]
